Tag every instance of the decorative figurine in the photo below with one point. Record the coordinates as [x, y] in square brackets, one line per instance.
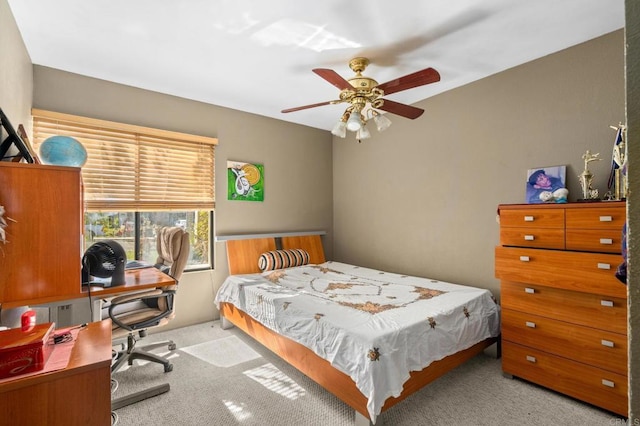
[586, 177]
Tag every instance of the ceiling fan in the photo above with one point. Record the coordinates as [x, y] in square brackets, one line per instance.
[365, 96]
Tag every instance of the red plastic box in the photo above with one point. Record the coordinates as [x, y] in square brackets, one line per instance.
[24, 352]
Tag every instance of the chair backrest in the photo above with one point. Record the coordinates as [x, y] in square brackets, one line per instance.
[173, 250]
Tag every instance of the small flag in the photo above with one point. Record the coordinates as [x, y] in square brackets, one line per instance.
[617, 159]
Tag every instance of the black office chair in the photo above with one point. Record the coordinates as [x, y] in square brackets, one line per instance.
[134, 314]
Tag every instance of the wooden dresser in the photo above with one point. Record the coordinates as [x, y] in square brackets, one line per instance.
[564, 313]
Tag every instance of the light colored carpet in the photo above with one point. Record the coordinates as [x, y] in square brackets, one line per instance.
[230, 385]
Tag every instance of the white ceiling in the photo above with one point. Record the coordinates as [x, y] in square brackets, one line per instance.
[257, 55]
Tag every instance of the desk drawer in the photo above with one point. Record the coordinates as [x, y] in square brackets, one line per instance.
[612, 217]
[532, 218]
[595, 240]
[532, 237]
[586, 309]
[593, 385]
[598, 348]
[578, 271]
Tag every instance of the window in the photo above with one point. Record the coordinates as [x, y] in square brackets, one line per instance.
[136, 232]
[138, 179]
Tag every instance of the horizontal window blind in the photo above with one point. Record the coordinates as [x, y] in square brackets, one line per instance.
[134, 168]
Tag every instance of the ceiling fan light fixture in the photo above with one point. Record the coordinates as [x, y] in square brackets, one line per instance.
[382, 122]
[363, 133]
[354, 123]
[365, 95]
[340, 129]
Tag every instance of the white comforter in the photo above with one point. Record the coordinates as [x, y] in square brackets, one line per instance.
[374, 326]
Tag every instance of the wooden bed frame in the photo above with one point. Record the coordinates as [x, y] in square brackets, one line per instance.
[242, 256]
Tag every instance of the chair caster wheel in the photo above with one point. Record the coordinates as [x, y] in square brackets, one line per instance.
[168, 368]
[172, 347]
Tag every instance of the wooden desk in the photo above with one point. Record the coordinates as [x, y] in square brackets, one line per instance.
[77, 395]
[135, 280]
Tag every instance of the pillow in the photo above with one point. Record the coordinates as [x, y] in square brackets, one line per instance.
[280, 259]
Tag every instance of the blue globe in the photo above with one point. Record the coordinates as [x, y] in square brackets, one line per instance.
[63, 151]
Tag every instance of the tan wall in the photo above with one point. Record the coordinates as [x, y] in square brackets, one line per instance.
[16, 72]
[421, 197]
[297, 162]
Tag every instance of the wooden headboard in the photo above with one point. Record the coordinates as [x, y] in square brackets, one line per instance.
[243, 255]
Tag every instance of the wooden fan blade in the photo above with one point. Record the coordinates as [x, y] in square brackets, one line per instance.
[410, 81]
[403, 110]
[333, 77]
[307, 106]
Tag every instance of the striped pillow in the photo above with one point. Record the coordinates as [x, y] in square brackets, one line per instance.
[280, 259]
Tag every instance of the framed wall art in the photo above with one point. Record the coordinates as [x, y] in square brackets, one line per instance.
[546, 185]
[245, 181]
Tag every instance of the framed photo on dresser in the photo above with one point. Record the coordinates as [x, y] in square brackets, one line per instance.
[546, 185]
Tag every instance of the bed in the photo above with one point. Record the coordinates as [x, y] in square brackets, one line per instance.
[370, 337]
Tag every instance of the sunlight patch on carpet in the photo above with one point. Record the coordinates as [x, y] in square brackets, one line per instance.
[238, 410]
[225, 352]
[275, 380]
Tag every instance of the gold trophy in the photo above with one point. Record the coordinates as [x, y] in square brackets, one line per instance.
[586, 177]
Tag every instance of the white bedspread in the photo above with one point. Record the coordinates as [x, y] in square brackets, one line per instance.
[374, 326]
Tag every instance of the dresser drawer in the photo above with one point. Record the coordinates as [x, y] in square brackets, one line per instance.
[595, 240]
[593, 385]
[532, 237]
[598, 348]
[578, 271]
[596, 218]
[586, 309]
[532, 218]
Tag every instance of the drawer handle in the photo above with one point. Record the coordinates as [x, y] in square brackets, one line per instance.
[608, 383]
[606, 241]
[528, 219]
[607, 303]
[533, 359]
[524, 258]
[607, 343]
[531, 324]
[529, 290]
[529, 238]
[606, 219]
[606, 266]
